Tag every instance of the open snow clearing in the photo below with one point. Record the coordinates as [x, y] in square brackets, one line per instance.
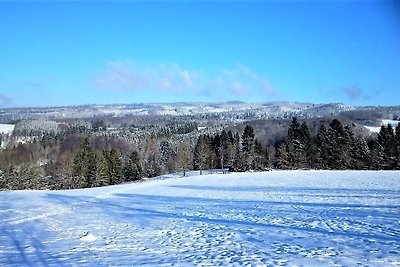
[277, 218]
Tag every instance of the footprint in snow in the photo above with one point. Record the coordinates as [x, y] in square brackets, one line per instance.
[87, 237]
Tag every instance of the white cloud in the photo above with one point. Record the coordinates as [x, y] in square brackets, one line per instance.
[241, 81]
[119, 76]
[173, 79]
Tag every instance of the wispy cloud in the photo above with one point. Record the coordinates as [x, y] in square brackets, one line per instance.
[127, 76]
[355, 93]
[241, 80]
[118, 76]
[5, 100]
[173, 79]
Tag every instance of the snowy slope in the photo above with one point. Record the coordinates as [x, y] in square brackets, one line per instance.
[384, 122]
[6, 128]
[278, 218]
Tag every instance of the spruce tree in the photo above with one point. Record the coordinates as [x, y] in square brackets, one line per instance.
[115, 166]
[386, 146]
[248, 149]
[230, 151]
[323, 147]
[84, 167]
[282, 158]
[259, 156]
[360, 154]
[133, 169]
[298, 144]
[224, 148]
[397, 132]
[102, 178]
[338, 138]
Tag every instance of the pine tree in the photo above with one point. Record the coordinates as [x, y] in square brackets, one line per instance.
[397, 132]
[84, 167]
[248, 148]
[133, 169]
[386, 148]
[282, 158]
[259, 157]
[298, 144]
[323, 148]
[360, 154]
[102, 178]
[115, 166]
[336, 142]
[230, 152]
[166, 156]
[308, 152]
[225, 143]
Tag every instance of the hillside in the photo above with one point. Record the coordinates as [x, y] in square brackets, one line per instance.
[277, 218]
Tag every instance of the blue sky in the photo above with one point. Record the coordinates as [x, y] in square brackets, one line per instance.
[82, 52]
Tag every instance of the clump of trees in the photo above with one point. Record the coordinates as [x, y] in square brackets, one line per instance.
[228, 150]
[74, 159]
[336, 147]
[92, 168]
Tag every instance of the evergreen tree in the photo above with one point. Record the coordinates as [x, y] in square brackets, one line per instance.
[248, 148]
[386, 147]
[84, 167]
[202, 153]
[360, 155]
[230, 151]
[339, 142]
[298, 144]
[225, 143]
[259, 156]
[397, 132]
[308, 153]
[114, 166]
[133, 169]
[282, 158]
[237, 153]
[102, 178]
[166, 156]
[323, 148]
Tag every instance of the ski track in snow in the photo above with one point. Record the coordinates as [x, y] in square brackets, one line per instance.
[278, 218]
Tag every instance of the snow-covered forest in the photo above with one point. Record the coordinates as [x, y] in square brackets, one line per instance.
[49, 155]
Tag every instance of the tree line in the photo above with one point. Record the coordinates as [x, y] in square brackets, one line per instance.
[76, 160]
[336, 147]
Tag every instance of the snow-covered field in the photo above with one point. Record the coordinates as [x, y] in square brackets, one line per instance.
[374, 129]
[278, 218]
[6, 128]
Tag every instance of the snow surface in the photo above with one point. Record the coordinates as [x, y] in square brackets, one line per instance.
[6, 128]
[277, 218]
[384, 122]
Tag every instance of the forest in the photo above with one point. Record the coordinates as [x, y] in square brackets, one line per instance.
[79, 158]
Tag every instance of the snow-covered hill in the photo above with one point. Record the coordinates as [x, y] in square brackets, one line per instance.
[278, 218]
[224, 110]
